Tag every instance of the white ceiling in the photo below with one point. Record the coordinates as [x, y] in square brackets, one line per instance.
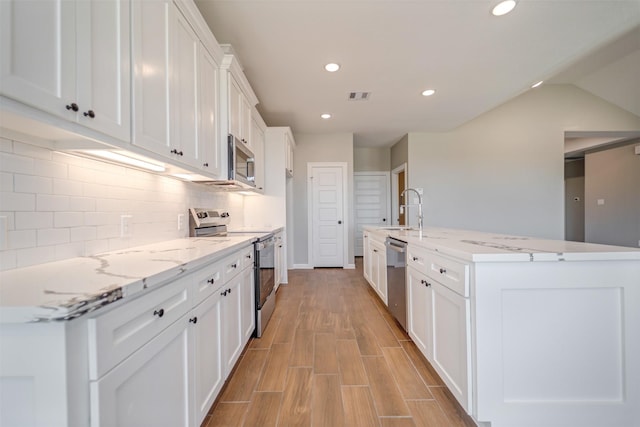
[397, 48]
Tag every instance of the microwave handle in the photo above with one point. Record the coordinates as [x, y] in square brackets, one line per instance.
[251, 166]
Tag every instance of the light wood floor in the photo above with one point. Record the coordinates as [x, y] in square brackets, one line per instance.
[332, 356]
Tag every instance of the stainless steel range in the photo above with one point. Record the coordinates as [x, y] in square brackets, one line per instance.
[213, 222]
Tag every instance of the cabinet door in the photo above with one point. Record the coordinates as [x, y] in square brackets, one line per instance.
[451, 323]
[231, 308]
[257, 142]
[205, 331]
[366, 258]
[208, 113]
[150, 388]
[103, 67]
[184, 91]
[150, 43]
[288, 155]
[38, 54]
[420, 311]
[248, 303]
[235, 127]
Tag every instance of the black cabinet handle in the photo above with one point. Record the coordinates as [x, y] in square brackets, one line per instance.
[90, 114]
[424, 282]
[248, 257]
[384, 219]
[179, 153]
[229, 290]
[224, 294]
[194, 320]
[415, 258]
[211, 281]
[234, 265]
[206, 165]
[375, 250]
[443, 270]
[73, 106]
[159, 313]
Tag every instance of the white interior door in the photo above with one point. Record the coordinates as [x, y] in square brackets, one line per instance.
[327, 216]
[371, 198]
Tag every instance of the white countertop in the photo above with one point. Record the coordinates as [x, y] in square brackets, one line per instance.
[493, 247]
[67, 289]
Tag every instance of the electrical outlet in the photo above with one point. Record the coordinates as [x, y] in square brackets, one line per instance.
[3, 232]
[180, 221]
[600, 202]
[125, 225]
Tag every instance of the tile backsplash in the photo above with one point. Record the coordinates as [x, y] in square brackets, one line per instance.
[55, 206]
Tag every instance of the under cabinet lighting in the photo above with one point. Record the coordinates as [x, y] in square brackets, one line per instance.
[124, 159]
[503, 7]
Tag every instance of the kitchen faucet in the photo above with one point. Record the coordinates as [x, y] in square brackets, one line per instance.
[419, 205]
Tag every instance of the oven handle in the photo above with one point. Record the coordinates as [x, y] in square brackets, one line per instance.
[396, 247]
[265, 244]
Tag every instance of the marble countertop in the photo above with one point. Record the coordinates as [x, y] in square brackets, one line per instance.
[478, 246]
[67, 289]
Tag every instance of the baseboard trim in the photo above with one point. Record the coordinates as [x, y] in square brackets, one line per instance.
[349, 267]
[302, 267]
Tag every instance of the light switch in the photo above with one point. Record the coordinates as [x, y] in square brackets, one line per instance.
[600, 202]
[125, 225]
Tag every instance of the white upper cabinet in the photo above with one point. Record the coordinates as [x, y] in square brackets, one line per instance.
[70, 59]
[208, 115]
[257, 136]
[235, 118]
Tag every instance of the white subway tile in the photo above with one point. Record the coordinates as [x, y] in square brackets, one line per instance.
[33, 220]
[50, 169]
[108, 231]
[67, 187]
[32, 184]
[82, 234]
[51, 202]
[32, 151]
[69, 250]
[53, 236]
[10, 219]
[33, 256]
[6, 181]
[94, 190]
[18, 164]
[95, 247]
[68, 219]
[82, 204]
[6, 145]
[81, 174]
[17, 201]
[96, 218]
[8, 260]
[19, 239]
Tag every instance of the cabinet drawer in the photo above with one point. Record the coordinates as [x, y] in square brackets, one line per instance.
[118, 333]
[247, 257]
[232, 265]
[449, 272]
[207, 280]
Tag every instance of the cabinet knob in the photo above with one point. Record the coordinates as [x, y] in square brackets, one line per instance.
[248, 257]
[415, 258]
[179, 153]
[73, 106]
[206, 165]
[424, 282]
[224, 294]
[90, 114]
[159, 313]
[375, 250]
[194, 320]
[211, 281]
[234, 265]
[443, 270]
[229, 290]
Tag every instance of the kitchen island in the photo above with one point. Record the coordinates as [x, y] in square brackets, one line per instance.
[525, 332]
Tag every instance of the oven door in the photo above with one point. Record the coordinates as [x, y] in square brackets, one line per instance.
[266, 272]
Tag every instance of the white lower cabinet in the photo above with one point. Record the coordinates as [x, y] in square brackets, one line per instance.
[248, 301]
[420, 305]
[150, 388]
[231, 323]
[378, 267]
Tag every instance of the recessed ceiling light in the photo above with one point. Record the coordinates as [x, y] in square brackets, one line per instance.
[325, 116]
[503, 7]
[332, 67]
[535, 85]
[428, 92]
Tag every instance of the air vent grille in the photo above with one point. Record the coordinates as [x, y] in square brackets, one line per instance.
[359, 96]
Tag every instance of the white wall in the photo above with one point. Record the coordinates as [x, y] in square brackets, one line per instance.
[318, 148]
[57, 206]
[504, 171]
[367, 159]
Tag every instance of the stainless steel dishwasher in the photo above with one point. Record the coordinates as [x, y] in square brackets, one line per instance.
[396, 280]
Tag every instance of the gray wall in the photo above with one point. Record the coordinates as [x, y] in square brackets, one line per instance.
[613, 176]
[504, 171]
[318, 148]
[574, 200]
[400, 152]
[371, 159]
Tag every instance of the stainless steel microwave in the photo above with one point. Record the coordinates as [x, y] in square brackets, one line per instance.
[241, 162]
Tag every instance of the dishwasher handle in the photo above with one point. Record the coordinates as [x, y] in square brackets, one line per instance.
[396, 245]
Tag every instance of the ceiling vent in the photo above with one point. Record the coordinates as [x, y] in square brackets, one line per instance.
[359, 96]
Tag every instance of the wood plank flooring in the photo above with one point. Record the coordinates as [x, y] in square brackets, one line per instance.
[332, 356]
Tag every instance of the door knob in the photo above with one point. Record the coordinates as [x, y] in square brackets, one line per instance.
[339, 222]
